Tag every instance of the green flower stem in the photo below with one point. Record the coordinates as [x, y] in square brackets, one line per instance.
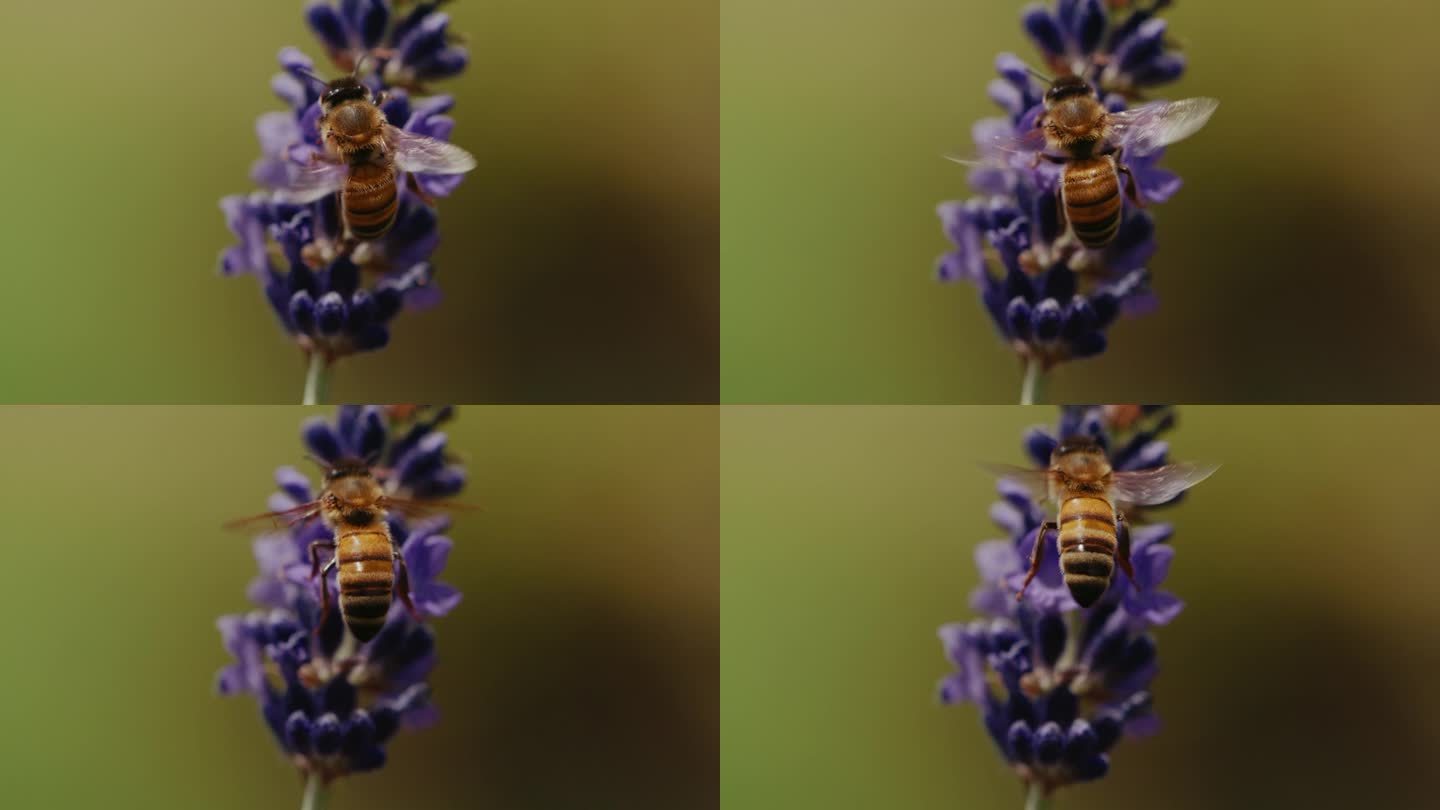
[1036, 798]
[316, 795]
[316, 380]
[1033, 389]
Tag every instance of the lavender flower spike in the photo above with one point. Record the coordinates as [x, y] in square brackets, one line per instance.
[335, 298]
[1058, 686]
[1053, 298]
[332, 704]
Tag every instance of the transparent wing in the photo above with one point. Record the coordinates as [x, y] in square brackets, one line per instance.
[289, 517]
[1031, 140]
[418, 154]
[314, 182]
[1149, 127]
[1158, 485]
[1037, 482]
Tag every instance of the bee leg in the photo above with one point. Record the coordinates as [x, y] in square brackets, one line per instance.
[1037, 555]
[1122, 535]
[402, 584]
[1132, 188]
[315, 555]
[414, 186]
[324, 592]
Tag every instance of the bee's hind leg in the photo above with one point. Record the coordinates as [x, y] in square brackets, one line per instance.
[1037, 555]
[1122, 536]
[402, 585]
[414, 186]
[1132, 188]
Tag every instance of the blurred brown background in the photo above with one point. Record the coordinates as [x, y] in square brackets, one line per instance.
[1296, 265]
[1300, 673]
[579, 261]
[579, 671]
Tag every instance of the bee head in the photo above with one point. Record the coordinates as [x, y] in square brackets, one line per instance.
[1080, 457]
[1067, 87]
[343, 89]
[351, 493]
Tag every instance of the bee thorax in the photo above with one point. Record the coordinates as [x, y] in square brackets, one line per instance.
[352, 120]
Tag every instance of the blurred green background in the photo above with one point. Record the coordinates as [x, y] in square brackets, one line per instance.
[1299, 675]
[579, 260]
[579, 671]
[1297, 264]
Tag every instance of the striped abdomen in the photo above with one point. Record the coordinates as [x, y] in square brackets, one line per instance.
[1090, 190]
[1087, 547]
[369, 200]
[366, 565]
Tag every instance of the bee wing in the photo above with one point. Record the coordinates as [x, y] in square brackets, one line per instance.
[289, 517]
[1029, 141]
[1158, 485]
[418, 154]
[1037, 482]
[314, 182]
[1149, 127]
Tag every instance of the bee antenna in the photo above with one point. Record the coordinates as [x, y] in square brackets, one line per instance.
[311, 76]
[372, 459]
[359, 63]
[325, 466]
[1037, 74]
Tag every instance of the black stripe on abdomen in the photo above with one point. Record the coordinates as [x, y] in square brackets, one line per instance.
[1092, 203]
[1086, 564]
[371, 212]
[367, 606]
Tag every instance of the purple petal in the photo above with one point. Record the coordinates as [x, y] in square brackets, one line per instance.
[1006, 95]
[1042, 595]
[992, 600]
[1013, 70]
[1160, 608]
[437, 599]
[426, 556]
[961, 687]
[1005, 515]
[1141, 536]
[1152, 564]
[996, 559]
[1151, 455]
[329, 28]
[321, 439]
[1144, 726]
[1157, 185]
[294, 484]
[439, 185]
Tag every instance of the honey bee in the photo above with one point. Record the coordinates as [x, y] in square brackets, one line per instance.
[355, 507]
[1090, 142]
[363, 157]
[1091, 533]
